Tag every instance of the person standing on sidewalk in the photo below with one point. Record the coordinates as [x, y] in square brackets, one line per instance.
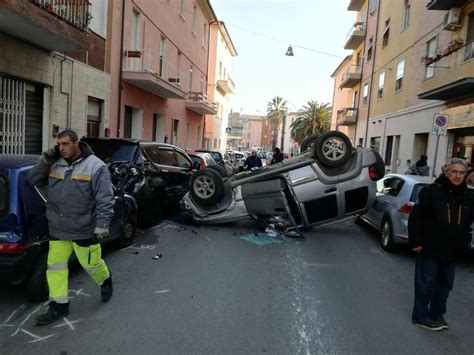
[79, 210]
[439, 229]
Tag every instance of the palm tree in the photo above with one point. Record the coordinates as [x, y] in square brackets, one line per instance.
[276, 114]
[314, 118]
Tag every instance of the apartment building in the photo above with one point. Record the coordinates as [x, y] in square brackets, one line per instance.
[410, 51]
[53, 72]
[236, 133]
[159, 66]
[252, 130]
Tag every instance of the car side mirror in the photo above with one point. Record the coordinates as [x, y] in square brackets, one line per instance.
[196, 165]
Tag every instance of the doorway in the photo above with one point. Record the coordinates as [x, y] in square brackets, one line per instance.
[420, 146]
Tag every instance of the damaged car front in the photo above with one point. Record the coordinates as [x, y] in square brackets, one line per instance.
[328, 182]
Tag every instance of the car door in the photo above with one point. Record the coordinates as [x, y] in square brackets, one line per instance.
[387, 193]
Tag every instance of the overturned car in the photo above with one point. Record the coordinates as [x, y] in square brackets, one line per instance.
[329, 181]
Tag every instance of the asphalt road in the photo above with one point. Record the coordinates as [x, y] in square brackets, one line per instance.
[213, 291]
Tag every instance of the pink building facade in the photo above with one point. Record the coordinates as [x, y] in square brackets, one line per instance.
[159, 65]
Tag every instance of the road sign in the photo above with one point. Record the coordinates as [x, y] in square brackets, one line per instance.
[228, 130]
[440, 125]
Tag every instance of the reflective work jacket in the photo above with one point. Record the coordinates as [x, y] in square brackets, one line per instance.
[80, 195]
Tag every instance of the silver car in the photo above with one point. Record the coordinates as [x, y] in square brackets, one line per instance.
[396, 196]
[328, 182]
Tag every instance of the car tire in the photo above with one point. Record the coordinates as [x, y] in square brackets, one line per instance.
[386, 236]
[36, 285]
[309, 142]
[333, 149]
[128, 233]
[220, 169]
[207, 187]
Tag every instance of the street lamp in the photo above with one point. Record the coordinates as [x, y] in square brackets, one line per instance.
[289, 51]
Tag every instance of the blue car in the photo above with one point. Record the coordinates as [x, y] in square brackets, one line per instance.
[24, 228]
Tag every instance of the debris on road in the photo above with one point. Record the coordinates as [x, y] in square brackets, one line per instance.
[134, 252]
[261, 239]
[157, 256]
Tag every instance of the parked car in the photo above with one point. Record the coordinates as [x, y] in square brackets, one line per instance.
[395, 198]
[163, 172]
[204, 159]
[329, 182]
[24, 229]
[222, 158]
[237, 159]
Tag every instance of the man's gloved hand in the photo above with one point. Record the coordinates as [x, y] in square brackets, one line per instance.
[50, 156]
[100, 234]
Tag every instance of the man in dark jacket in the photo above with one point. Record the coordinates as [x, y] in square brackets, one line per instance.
[79, 210]
[253, 161]
[277, 156]
[439, 229]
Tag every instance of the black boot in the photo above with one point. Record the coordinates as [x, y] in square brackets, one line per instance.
[55, 312]
[107, 289]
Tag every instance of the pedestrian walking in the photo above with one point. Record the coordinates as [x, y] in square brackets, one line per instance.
[420, 167]
[79, 210]
[277, 156]
[439, 231]
[253, 161]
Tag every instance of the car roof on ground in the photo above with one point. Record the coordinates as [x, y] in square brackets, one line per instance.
[17, 161]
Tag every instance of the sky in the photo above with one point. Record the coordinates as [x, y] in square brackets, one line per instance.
[262, 30]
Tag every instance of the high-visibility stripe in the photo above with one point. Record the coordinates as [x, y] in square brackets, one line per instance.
[82, 177]
[54, 175]
[57, 266]
[61, 299]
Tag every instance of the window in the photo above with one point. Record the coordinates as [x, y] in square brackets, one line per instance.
[381, 84]
[390, 186]
[366, 92]
[190, 87]
[194, 19]
[4, 196]
[204, 39]
[94, 116]
[372, 6]
[430, 53]
[375, 143]
[215, 143]
[369, 50]
[400, 71]
[162, 56]
[354, 99]
[388, 150]
[135, 31]
[182, 161]
[406, 15]
[182, 8]
[386, 33]
[178, 69]
[469, 48]
[361, 142]
[174, 133]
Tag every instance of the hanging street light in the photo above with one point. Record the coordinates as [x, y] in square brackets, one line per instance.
[289, 51]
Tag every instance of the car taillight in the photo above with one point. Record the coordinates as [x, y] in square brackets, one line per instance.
[373, 174]
[406, 208]
[12, 248]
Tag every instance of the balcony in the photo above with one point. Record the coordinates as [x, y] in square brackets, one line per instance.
[355, 5]
[347, 116]
[355, 36]
[445, 4]
[456, 81]
[56, 25]
[149, 71]
[199, 102]
[225, 83]
[351, 77]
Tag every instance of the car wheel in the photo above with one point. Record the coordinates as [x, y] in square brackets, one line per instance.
[386, 237]
[220, 169]
[333, 149]
[36, 286]
[309, 142]
[207, 187]
[128, 233]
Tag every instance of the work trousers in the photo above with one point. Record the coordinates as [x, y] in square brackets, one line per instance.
[90, 258]
[434, 279]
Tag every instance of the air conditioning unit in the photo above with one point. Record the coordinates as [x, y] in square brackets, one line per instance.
[452, 19]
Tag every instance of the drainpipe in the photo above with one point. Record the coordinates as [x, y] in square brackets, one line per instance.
[373, 69]
[119, 91]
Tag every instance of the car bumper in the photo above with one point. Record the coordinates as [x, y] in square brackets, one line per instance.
[15, 268]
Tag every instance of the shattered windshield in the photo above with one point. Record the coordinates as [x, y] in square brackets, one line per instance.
[111, 151]
[4, 196]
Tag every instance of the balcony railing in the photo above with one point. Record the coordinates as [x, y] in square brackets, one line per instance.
[351, 76]
[468, 52]
[225, 83]
[153, 72]
[355, 36]
[347, 116]
[74, 12]
[201, 103]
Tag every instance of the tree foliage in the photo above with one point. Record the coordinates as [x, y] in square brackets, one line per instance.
[313, 118]
[276, 111]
